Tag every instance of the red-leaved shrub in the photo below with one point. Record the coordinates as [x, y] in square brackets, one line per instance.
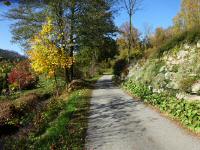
[22, 76]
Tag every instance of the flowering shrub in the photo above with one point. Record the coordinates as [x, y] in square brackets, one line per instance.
[22, 76]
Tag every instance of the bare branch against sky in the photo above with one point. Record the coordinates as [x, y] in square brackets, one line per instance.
[132, 6]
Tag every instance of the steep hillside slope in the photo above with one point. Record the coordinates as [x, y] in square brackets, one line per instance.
[176, 71]
[169, 80]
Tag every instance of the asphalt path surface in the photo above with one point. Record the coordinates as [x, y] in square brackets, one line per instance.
[118, 122]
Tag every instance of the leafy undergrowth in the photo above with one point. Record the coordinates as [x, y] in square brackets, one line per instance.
[61, 124]
[17, 114]
[16, 95]
[45, 86]
[188, 113]
[19, 108]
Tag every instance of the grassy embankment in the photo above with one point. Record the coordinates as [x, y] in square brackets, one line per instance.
[150, 75]
[60, 123]
[185, 112]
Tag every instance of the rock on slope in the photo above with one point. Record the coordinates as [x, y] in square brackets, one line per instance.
[177, 71]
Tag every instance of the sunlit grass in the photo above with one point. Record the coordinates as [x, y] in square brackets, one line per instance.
[62, 125]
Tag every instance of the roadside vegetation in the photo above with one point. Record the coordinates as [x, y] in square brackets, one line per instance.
[44, 96]
[45, 117]
[164, 65]
[184, 111]
[61, 124]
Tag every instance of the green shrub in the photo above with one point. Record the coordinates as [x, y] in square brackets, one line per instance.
[139, 90]
[119, 66]
[5, 68]
[22, 76]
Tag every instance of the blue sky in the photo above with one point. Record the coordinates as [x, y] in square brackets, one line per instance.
[156, 13]
[5, 34]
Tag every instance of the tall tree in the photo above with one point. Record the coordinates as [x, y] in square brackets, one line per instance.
[159, 37]
[95, 30]
[147, 34]
[29, 17]
[125, 30]
[46, 54]
[189, 16]
[96, 25]
[123, 41]
[132, 6]
[81, 23]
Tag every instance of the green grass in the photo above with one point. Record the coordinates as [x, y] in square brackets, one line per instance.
[24, 107]
[9, 97]
[108, 71]
[58, 134]
[61, 125]
[93, 79]
[44, 86]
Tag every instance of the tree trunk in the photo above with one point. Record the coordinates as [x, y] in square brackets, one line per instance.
[130, 38]
[56, 83]
[72, 38]
[66, 78]
[66, 75]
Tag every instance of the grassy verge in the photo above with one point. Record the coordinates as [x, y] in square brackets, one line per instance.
[18, 112]
[45, 86]
[19, 108]
[187, 113]
[94, 79]
[61, 125]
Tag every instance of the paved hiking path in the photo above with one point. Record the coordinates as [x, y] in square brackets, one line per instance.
[118, 122]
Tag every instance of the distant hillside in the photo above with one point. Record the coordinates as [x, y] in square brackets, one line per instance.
[10, 55]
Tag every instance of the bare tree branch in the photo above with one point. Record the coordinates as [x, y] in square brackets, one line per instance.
[132, 6]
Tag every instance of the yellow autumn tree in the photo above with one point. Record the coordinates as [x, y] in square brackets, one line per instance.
[45, 54]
